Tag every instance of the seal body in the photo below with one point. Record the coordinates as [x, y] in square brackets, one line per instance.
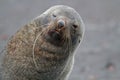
[44, 48]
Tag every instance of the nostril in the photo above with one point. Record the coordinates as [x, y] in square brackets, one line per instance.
[61, 23]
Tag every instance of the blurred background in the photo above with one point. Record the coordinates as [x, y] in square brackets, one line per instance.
[98, 56]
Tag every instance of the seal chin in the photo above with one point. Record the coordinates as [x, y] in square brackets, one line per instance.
[55, 35]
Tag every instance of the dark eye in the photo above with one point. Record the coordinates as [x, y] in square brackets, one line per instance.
[53, 15]
[75, 26]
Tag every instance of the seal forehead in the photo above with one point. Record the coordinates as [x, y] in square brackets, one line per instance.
[63, 10]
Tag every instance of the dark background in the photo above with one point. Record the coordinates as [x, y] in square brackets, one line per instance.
[98, 57]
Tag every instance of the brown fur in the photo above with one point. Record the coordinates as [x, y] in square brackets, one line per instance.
[30, 55]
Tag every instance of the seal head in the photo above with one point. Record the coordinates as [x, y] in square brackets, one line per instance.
[64, 25]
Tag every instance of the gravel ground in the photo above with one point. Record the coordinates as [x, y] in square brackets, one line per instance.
[98, 56]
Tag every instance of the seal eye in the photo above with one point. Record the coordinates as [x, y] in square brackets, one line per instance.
[54, 15]
[75, 26]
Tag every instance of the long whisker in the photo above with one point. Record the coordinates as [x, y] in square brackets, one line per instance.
[33, 54]
[69, 44]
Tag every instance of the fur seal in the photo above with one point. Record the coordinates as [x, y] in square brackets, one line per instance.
[44, 48]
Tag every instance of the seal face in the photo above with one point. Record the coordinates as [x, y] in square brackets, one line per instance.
[44, 48]
[63, 22]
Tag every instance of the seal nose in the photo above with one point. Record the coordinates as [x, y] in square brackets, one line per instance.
[61, 23]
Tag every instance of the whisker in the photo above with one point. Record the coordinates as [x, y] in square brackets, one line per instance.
[33, 54]
[34, 44]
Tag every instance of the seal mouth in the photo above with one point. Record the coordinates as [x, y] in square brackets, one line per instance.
[55, 34]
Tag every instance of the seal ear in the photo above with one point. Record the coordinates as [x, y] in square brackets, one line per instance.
[43, 19]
